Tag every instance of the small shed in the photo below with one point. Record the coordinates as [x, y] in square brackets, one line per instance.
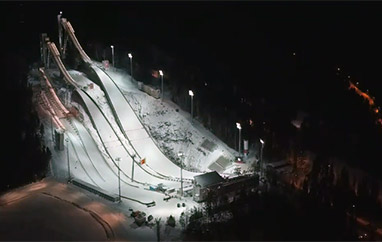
[204, 182]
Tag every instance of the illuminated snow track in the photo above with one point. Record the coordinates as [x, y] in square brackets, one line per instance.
[97, 170]
[128, 122]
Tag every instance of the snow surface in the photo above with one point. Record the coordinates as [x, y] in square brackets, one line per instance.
[136, 133]
[49, 210]
[172, 130]
[95, 163]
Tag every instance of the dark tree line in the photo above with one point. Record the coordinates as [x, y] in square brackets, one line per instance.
[320, 186]
[23, 158]
[274, 215]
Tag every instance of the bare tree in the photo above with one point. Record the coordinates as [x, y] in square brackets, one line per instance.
[157, 222]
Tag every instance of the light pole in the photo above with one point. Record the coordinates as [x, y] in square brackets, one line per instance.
[51, 125]
[261, 157]
[112, 54]
[192, 105]
[180, 155]
[238, 126]
[131, 65]
[119, 178]
[59, 31]
[67, 155]
[132, 168]
[161, 76]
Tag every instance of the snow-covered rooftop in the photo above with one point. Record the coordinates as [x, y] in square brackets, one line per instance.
[208, 179]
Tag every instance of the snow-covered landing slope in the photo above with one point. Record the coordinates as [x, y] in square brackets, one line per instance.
[171, 126]
[116, 150]
[136, 133]
[102, 172]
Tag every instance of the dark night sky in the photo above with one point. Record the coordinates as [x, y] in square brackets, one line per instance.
[238, 35]
[344, 33]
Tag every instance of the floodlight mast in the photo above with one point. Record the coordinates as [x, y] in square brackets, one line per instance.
[60, 37]
[112, 54]
[180, 155]
[238, 126]
[261, 158]
[191, 93]
[131, 65]
[161, 75]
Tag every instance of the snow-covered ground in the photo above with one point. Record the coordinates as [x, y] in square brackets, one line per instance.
[172, 130]
[113, 141]
[136, 133]
[49, 210]
[177, 135]
[88, 162]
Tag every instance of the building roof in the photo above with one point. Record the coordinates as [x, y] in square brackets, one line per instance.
[208, 179]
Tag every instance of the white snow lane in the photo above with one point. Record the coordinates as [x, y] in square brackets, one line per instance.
[125, 114]
[78, 168]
